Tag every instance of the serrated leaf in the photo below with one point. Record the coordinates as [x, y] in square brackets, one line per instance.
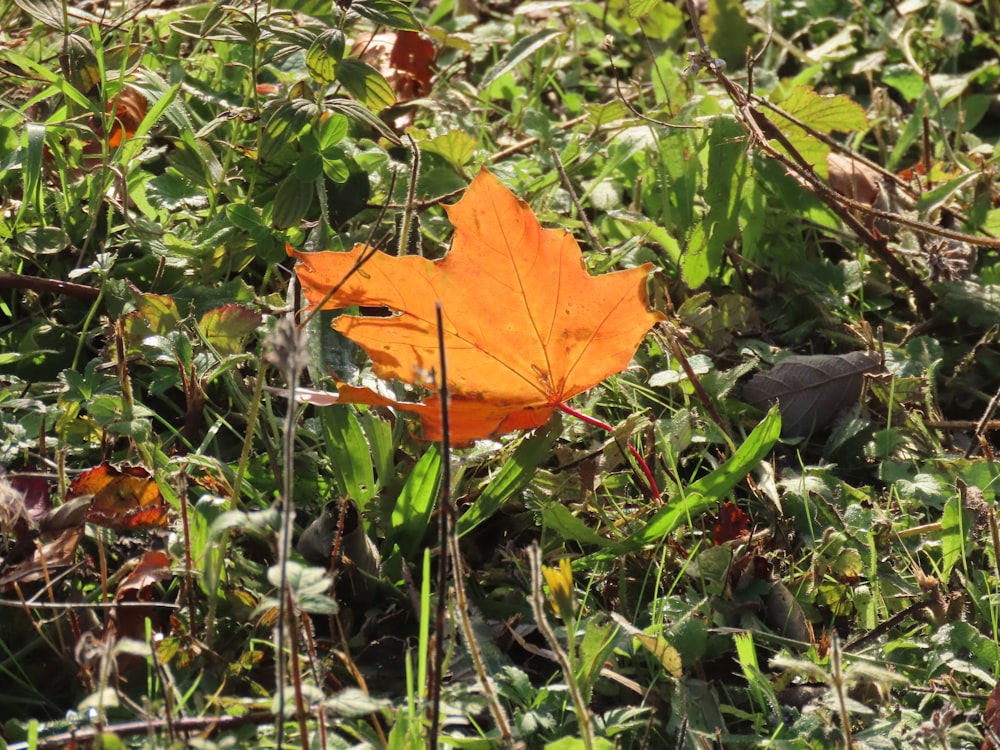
[810, 390]
[532, 327]
[825, 114]
[640, 8]
[227, 327]
[458, 147]
[155, 315]
[365, 84]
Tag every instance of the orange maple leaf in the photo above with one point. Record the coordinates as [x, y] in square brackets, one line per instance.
[525, 326]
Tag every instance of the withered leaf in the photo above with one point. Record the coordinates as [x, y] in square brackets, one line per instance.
[810, 390]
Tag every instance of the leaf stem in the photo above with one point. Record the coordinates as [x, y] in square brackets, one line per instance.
[643, 466]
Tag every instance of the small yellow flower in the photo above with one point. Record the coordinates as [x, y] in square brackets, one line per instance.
[560, 581]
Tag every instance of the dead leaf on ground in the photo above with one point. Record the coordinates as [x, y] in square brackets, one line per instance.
[405, 59]
[525, 326]
[45, 561]
[861, 183]
[731, 523]
[137, 586]
[810, 390]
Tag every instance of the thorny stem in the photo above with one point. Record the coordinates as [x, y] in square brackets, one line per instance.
[538, 609]
[300, 704]
[643, 466]
[406, 227]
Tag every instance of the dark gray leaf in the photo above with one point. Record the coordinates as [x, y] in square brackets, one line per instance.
[810, 390]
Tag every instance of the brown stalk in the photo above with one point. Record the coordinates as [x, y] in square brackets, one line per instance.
[53, 286]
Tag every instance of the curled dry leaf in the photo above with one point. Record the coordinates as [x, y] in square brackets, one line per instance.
[129, 108]
[810, 390]
[525, 326]
[856, 180]
[124, 499]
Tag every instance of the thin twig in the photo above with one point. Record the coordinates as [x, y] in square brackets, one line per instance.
[982, 429]
[203, 725]
[695, 381]
[38, 284]
[444, 521]
[595, 242]
[608, 46]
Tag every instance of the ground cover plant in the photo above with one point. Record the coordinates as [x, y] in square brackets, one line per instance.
[537, 375]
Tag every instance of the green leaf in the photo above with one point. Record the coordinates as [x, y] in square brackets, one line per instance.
[389, 13]
[697, 497]
[640, 8]
[350, 457]
[413, 508]
[515, 474]
[352, 109]
[243, 216]
[956, 523]
[560, 520]
[324, 56]
[696, 266]
[131, 148]
[285, 122]
[332, 131]
[50, 12]
[905, 80]
[518, 53]
[458, 147]
[227, 327]
[32, 169]
[727, 169]
[726, 30]
[366, 84]
[292, 202]
[824, 114]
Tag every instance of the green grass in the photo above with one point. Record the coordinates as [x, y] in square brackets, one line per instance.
[143, 285]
